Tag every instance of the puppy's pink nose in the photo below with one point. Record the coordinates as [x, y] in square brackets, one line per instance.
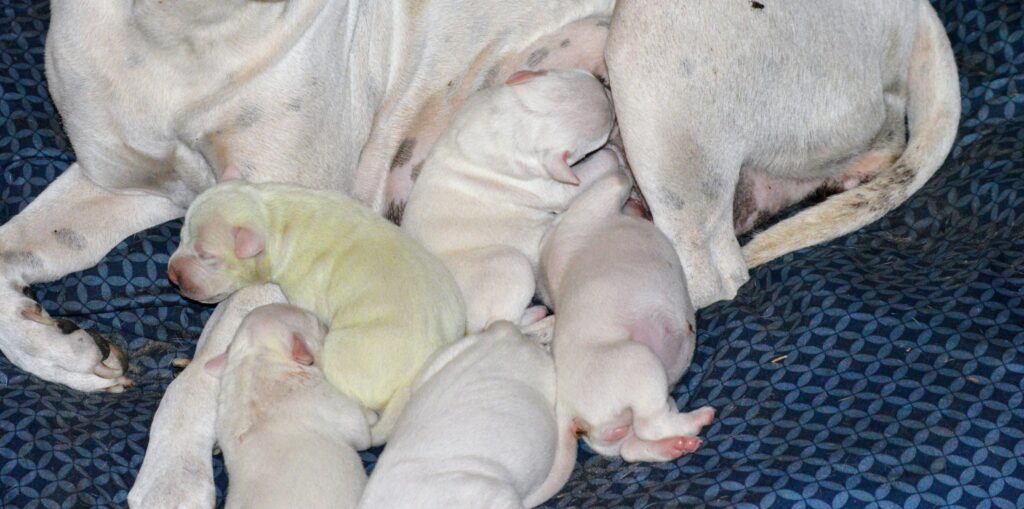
[172, 274]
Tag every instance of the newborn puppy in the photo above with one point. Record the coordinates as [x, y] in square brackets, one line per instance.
[624, 331]
[289, 438]
[495, 180]
[479, 430]
[388, 302]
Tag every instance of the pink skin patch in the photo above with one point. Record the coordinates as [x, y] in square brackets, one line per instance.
[616, 434]
[634, 208]
[677, 446]
[523, 76]
[660, 338]
[300, 353]
[179, 276]
[247, 243]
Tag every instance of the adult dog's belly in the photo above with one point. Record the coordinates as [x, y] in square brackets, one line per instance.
[577, 45]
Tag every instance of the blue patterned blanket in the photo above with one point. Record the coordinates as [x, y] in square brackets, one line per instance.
[884, 369]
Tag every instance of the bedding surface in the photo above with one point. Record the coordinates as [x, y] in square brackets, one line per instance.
[883, 369]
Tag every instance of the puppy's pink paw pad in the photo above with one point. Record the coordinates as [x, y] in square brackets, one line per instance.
[677, 446]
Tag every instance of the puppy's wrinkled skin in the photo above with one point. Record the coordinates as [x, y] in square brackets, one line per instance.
[289, 438]
[766, 105]
[625, 328]
[479, 430]
[495, 180]
[388, 302]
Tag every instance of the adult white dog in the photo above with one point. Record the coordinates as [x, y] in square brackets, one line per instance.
[158, 98]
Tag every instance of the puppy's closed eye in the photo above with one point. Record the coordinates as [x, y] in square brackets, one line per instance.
[204, 255]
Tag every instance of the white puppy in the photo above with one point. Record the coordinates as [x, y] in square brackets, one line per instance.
[495, 180]
[624, 332]
[289, 438]
[479, 430]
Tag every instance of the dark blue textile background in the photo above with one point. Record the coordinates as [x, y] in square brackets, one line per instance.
[884, 369]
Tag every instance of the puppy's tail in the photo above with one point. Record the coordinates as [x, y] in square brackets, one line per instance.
[933, 115]
[561, 467]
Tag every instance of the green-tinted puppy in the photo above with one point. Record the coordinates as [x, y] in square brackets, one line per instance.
[389, 303]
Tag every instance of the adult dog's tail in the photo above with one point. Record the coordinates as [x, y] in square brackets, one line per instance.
[933, 115]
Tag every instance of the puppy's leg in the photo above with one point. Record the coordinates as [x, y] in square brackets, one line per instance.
[687, 177]
[679, 430]
[177, 470]
[69, 227]
[658, 432]
[497, 284]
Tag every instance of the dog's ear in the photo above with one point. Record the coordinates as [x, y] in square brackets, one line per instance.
[216, 365]
[248, 243]
[300, 352]
[231, 173]
[559, 169]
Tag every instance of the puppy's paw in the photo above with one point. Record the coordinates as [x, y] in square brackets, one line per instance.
[675, 447]
[703, 416]
[666, 449]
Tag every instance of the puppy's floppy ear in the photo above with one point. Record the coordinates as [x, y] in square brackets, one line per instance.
[248, 243]
[559, 169]
[216, 365]
[300, 352]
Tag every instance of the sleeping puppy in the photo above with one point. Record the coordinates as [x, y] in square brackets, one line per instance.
[479, 430]
[388, 302]
[289, 438]
[495, 180]
[624, 332]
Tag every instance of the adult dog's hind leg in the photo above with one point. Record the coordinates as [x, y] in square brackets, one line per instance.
[686, 173]
[69, 227]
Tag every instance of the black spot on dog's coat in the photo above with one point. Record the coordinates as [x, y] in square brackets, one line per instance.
[249, 115]
[537, 57]
[70, 238]
[416, 170]
[22, 258]
[395, 212]
[757, 5]
[67, 326]
[404, 153]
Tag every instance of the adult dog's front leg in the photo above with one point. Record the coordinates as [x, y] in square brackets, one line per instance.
[69, 227]
[686, 172]
[177, 471]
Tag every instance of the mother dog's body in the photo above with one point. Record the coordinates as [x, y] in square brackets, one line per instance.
[159, 97]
